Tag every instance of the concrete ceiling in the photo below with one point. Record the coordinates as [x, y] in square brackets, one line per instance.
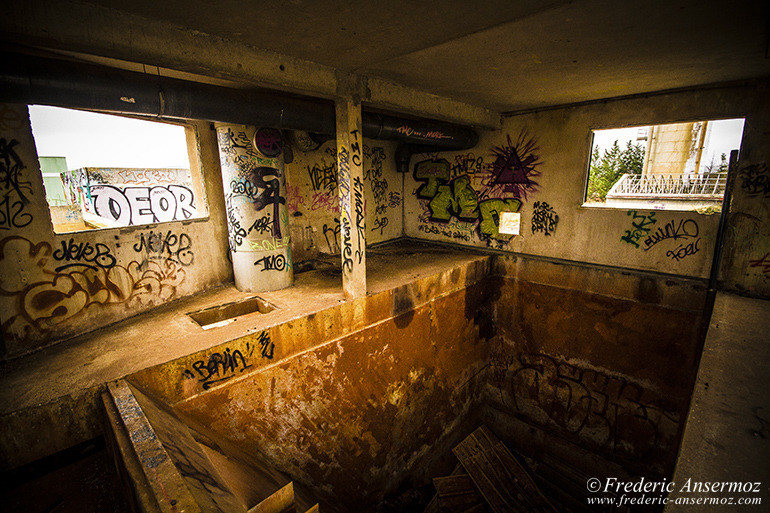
[497, 54]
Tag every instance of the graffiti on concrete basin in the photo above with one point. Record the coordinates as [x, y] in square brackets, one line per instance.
[83, 254]
[605, 409]
[763, 262]
[755, 180]
[14, 189]
[682, 229]
[544, 218]
[168, 246]
[640, 226]
[220, 367]
[143, 205]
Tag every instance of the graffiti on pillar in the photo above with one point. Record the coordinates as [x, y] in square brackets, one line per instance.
[640, 226]
[544, 218]
[129, 206]
[273, 263]
[261, 186]
[358, 202]
[268, 142]
[343, 159]
[514, 169]
[14, 188]
[269, 244]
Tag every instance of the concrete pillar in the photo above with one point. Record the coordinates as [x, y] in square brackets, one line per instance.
[255, 198]
[351, 187]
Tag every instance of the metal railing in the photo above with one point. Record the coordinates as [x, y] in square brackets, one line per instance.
[700, 185]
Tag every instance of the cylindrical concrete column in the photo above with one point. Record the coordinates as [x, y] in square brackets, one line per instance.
[255, 198]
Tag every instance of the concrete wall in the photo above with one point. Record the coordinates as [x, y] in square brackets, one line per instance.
[554, 147]
[56, 286]
[313, 198]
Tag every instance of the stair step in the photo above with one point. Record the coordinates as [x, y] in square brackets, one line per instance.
[280, 502]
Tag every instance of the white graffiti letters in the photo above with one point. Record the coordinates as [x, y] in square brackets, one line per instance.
[143, 205]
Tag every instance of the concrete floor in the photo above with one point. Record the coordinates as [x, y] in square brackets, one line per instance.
[727, 435]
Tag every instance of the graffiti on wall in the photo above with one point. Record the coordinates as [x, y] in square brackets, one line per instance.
[129, 206]
[685, 231]
[83, 254]
[470, 190]
[607, 410]
[755, 180]
[13, 187]
[374, 157]
[763, 263]
[544, 218]
[166, 247]
[640, 227]
[48, 297]
[456, 198]
[514, 169]
[323, 176]
[332, 236]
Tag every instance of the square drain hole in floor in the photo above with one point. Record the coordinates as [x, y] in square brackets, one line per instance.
[217, 316]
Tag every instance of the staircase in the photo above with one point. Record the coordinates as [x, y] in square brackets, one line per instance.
[167, 467]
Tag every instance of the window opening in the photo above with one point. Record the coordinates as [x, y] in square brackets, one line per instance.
[675, 166]
[104, 171]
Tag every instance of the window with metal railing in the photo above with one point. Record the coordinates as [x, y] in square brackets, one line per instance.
[677, 166]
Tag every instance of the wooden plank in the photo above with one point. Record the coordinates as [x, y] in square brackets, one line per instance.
[454, 485]
[314, 509]
[500, 478]
[279, 502]
[459, 503]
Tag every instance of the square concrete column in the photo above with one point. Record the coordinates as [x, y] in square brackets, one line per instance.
[351, 187]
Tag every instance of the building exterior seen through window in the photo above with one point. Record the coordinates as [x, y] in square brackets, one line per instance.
[106, 171]
[677, 166]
